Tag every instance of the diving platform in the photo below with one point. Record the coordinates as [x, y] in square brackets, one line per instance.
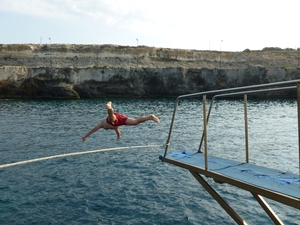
[260, 181]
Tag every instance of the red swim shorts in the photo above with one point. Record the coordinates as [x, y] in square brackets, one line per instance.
[120, 120]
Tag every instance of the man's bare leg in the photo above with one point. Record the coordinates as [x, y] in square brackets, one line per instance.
[110, 112]
[131, 121]
[155, 119]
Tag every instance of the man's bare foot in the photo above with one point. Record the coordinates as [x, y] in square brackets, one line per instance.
[155, 119]
[108, 105]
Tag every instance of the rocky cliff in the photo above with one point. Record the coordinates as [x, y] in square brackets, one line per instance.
[87, 71]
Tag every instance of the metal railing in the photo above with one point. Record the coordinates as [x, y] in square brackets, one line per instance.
[253, 89]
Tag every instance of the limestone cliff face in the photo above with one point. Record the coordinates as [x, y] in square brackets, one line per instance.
[87, 71]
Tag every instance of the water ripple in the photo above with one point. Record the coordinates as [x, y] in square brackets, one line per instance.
[133, 186]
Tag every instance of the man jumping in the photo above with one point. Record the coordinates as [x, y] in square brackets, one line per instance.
[115, 120]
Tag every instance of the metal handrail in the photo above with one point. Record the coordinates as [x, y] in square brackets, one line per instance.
[278, 86]
[258, 86]
[242, 93]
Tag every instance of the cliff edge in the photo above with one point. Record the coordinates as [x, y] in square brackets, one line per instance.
[88, 71]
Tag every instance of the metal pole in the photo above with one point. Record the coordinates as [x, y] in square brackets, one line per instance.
[171, 127]
[210, 107]
[205, 132]
[298, 104]
[230, 211]
[246, 128]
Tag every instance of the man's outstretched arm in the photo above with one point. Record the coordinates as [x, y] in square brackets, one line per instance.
[97, 127]
[118, 133]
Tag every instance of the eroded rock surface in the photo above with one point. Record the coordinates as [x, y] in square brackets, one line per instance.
[87, 71]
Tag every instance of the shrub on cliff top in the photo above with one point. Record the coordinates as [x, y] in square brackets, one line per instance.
[271, 49]
[247, 50]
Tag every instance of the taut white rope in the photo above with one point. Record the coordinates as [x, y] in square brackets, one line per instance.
[74, 154]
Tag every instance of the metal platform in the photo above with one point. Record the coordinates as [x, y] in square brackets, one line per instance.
[260, 181]
[274, 184]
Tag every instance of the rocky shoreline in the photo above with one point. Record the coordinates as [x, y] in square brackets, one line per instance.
[93, 71]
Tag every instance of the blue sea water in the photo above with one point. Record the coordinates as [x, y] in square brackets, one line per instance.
[132, 186]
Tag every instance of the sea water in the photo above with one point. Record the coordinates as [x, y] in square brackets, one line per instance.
[132, 186]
